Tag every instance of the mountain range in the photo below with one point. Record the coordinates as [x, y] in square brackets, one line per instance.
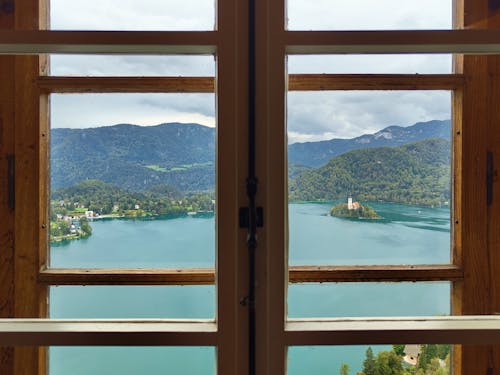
[315, 154]
[416, 173]
[135, 157]
[183, 155]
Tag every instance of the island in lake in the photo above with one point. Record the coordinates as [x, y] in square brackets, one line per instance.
[353, 210]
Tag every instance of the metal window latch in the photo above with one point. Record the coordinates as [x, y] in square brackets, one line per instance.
[244, 217]
[490, 173]
[11, 180]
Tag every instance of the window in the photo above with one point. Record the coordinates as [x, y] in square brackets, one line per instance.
[467, 276]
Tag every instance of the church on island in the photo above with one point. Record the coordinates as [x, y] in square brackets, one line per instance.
[353, 210]
[352, 205]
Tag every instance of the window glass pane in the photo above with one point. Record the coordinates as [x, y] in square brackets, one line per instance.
[132, 360]
[370, 64]
[132, 180]
[313, 300]
[131, 65]
[369, 177]
[369, 14]
[149, 15]
[132, 302]
[374, 359]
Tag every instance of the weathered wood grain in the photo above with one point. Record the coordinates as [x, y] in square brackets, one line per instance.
[316, 82]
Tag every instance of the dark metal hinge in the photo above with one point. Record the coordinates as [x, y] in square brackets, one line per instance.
[244, 217]
[11, 181]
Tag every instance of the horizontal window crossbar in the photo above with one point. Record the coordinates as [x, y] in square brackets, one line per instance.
[80, 276]
[353, 331]
[127, 84]
[406, 41]
[296, 42]
[121, 42]
[296, 82]
[317, 82]
[45, 332]
[422, 330]
[206, 276]
[300, 274]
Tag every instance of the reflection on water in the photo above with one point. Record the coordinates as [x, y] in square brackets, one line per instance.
[406, 234]
[403, 235]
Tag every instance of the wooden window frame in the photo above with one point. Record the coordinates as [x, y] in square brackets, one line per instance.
[274, 333]
[472, 269]
[31, 275]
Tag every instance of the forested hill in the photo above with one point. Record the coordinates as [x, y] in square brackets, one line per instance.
[417, 173]
[315, 154]
[105, 199]
[135, 157]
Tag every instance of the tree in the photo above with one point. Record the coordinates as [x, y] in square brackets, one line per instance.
[399, 349]
[388, 363]
[344, 369]
[369, 362]
[85, 226]
[428, 352]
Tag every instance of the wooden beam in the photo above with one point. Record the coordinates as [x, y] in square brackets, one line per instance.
[300, 274]
[204, 42]
[186, 276]
[408, 41]
[206, 276]
[7, 227]
[7, 64]
[494, 208]
[341, 331]
[123, 42]
[296, 82]
[420, 330]
[480, 98]
[137, 42]
[126, 84]
[30, 299]
[316, 82]
[25, 332]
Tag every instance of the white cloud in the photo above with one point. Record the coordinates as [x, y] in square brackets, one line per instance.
[311, 116]
[370, 64]
[132, 15]
[346, 114]
[130, 65]
[92, 110]
[295, 137]
[369, 14]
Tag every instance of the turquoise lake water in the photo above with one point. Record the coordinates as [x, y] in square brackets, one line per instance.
[406, 234]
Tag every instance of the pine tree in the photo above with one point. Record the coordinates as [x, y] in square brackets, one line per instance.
[344, 369]
[369, 362]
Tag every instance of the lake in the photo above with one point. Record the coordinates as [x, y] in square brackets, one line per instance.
[405, 234]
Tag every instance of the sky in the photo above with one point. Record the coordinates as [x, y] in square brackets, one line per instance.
[311, 115]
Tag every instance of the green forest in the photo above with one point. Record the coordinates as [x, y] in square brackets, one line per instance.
[107, 200]
[417, 173]
[104, 199]
[134, 157]
[434, 359]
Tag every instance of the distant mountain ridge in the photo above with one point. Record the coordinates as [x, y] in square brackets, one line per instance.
[135, 157]
[183, 155]
[316, 154]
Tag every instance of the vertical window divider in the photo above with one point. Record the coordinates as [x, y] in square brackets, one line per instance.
[251, 190]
